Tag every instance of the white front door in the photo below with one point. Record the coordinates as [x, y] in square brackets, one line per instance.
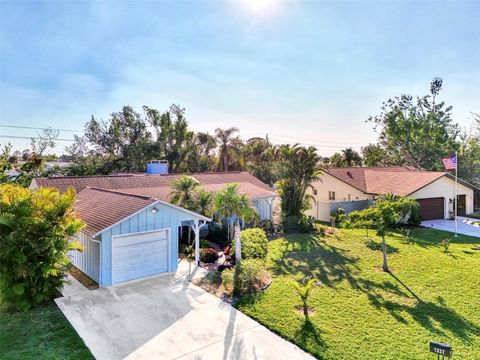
[138, 255]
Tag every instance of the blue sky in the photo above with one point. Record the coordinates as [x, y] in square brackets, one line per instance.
[311, 71]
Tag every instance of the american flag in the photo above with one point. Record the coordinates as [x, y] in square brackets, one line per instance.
[450, 163]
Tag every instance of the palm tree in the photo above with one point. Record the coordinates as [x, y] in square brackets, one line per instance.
[297, 168]
[184, 194]
[204, 203]
[225, 139]
[304, 289]
[230, 203]
[351, 157]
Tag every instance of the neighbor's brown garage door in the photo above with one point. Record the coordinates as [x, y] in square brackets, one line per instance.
[431, 208]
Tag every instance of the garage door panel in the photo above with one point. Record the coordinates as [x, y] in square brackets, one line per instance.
[139, 255]
[432, 208]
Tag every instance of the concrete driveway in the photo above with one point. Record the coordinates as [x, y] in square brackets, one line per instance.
[166, 317]
[449, 225]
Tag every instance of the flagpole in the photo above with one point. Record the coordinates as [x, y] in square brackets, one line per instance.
[456, 190]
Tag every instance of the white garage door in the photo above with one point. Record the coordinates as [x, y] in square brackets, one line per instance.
[135, 256]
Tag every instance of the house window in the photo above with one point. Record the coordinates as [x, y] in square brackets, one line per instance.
[331, 195]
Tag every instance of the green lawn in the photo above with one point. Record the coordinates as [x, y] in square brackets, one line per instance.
[362, 312]
[41, 333]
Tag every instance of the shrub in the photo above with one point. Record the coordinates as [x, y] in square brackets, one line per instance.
[254, 244]
[474, 215]
[321, 229]
[303, 224]
[35, 227]
[270, 228]
[218, 234]
[250, 276]
[203, 244]
[340, 217]
[208, 255]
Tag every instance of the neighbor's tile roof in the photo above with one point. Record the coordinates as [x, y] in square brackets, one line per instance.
[159, 186]
[164, 192]
[100, 208]
[398, 180]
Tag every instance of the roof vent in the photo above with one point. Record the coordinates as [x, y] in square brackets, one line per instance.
[157, 167]
[350, 175]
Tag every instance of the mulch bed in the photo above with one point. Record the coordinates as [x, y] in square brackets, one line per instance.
[86, 281]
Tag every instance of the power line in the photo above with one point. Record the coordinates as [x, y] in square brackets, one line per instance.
[281, 138]
[30, 137]
[38, 128]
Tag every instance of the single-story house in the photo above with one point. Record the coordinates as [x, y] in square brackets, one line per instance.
[132, 230]
[355, 188]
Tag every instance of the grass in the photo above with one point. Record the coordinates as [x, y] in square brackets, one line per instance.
[362, 312]
[40, 333]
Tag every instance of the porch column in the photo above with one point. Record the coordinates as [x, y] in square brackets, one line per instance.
[196, 230]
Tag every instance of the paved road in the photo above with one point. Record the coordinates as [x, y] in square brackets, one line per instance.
[166, 317]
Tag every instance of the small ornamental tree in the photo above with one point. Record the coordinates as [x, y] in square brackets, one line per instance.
[304, 289]
[388, 211]
[35, 227]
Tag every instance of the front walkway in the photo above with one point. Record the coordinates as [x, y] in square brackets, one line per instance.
[166, 317]
[449, 225]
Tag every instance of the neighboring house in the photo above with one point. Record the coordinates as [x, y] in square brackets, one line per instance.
[355, 188]
[132, 230]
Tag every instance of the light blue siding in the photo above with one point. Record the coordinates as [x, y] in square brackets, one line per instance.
[166, 217]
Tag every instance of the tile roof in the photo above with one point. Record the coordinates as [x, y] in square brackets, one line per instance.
[100, 208]
[398, 180]
[158, 186]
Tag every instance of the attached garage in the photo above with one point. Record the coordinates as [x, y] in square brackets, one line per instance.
[432, 208]
[135, 256]
[128, 236]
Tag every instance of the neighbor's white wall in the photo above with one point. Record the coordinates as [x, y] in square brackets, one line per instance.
[264, 207]
[319, 209]
[444, 187]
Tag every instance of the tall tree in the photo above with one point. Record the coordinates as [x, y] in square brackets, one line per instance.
[375, 155]
[174, 141]
[204, 158]
[44, 140]
[258, 154]
[346, 158]
[469, 153]
[225, 139]
[417, 132]
[124, 139]
[297, 167]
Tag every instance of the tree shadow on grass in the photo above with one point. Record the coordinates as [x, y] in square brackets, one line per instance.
[309, 337]
[435, 316]
[372, 245]
[314, 257]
